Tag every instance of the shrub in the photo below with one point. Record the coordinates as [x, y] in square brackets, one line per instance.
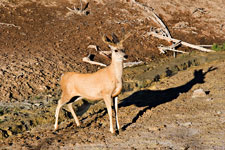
[218, 47]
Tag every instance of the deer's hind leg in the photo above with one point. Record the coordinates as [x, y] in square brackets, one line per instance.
[70, 107]
[61, 102]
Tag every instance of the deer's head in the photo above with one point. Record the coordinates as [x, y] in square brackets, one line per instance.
[116, 46]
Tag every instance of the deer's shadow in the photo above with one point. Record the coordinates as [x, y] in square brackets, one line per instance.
[148, 98]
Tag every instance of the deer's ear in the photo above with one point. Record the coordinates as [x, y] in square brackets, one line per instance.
[107, 39]
[113, 48]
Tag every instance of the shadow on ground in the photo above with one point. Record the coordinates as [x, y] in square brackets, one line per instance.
[149, 98]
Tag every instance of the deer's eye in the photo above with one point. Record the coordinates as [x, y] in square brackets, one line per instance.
[116, 51]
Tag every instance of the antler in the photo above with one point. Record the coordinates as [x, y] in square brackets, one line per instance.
[126, 36]
[115, 42]
[106, 40]
[115, 39]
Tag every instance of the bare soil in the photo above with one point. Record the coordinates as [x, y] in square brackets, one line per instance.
[39, 40]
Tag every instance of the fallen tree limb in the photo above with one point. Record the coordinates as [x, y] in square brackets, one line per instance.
[10, 25]
[90, 61]
[163, 49]
[131, 64]
[183, 43]
[105, 53]
[153, 16]
[93, 47]
[205, 45]
[97, 48]
[78, 11]
[160, 22]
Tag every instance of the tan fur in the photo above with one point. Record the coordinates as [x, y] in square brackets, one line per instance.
[104, 84]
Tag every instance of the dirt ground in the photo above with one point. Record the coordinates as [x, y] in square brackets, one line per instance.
[39, 40]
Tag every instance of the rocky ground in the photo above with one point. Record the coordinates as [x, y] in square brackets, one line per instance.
[41, 39]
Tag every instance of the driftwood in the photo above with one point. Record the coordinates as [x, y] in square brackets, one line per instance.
[183, 43]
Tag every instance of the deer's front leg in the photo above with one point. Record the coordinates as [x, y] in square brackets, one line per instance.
[108, 103]
[116, 111]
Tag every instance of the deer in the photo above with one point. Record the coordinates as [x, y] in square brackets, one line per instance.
[104, 84]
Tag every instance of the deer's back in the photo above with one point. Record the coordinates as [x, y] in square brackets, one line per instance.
[91, 86]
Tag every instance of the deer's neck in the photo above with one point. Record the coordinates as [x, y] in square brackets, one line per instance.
[117, 69]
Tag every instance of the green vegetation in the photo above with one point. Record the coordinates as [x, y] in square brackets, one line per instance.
[1, 121]
[1, 111]
[218, 47]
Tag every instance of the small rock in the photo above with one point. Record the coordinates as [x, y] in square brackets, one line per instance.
[186, 124]
[209, 99]
[153, 128]
[37, 104]
[219, 112]
[199, 93]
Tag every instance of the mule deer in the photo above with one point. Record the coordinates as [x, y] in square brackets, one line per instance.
[104, 84]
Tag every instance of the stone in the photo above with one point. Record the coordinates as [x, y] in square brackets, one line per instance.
[199, 93]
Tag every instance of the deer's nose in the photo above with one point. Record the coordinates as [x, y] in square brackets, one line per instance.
[125, 56]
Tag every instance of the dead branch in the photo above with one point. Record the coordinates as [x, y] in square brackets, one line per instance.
[183, 43]
[93, 47]
[78, 11]
[160, 22]
[153, 16]
[201, 10]
[131, 64]
[88, 59]
[205, 45]
[163, 49]
[164, 30]
[10, 25]
[97, 48]
[105, 53]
